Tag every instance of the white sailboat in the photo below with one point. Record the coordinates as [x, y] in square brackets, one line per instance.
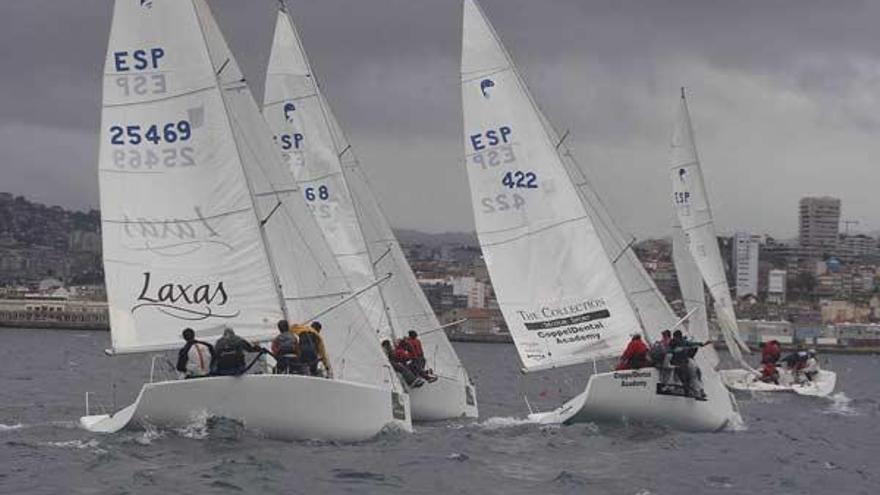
[203, 228]
[334, 185]
[693, 211]
[566, 284]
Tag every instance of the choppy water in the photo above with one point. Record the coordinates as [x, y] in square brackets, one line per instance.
[790, 445]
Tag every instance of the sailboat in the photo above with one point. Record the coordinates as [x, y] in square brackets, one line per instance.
[203, 228]
[571, 291]
[693, 211]
[335, 187]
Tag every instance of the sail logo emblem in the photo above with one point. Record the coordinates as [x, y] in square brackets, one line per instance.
[189, 302]
[147, 4]
[682, 173]
[288, 111]
[485, 84]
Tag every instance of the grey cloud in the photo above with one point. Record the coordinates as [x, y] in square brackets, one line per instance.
[783, 94]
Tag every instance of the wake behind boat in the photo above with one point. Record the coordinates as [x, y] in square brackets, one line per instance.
[204, 228]
[571, 290]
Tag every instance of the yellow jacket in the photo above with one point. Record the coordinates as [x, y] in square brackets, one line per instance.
[300, 329]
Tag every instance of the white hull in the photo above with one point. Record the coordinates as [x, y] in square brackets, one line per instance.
[443, 399]
[633, 395]
[745, 381]
[287, 407]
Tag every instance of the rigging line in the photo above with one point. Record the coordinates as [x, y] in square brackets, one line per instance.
[263, 221]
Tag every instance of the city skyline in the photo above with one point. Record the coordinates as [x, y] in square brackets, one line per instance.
[784, 113]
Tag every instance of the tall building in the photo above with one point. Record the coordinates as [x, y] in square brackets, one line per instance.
[819, 225]
[744, 263]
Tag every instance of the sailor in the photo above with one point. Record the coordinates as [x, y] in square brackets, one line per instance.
[635, 355]
[795, 363]
[683, 351]
[770, 352]
[229, 353]
[284, 349]
[398, 357]
[769, 373]
[311, 349]
[660, 356]
[195, 357]
[811, 366]
[417, 355]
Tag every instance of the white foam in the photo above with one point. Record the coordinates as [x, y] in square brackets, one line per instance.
[497, 422]
[16, 426]
[841, 405]
[197, 429]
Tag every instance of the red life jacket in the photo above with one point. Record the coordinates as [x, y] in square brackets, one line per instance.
[416, 345]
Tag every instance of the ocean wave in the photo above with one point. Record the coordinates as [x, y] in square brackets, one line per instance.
[16, 426]
[91, 444]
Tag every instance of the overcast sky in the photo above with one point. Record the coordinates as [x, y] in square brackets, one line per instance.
[785, 97]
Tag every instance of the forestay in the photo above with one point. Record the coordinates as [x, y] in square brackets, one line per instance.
[555, 284]
[300, 119]
[182, 246]
[692, 208]
[308, 273]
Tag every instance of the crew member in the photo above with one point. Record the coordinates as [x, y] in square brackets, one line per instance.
[398, 357]
[417, 356]
[284, 349]
[769, 373]
[683, 351]
[229, 353]
[660, 356]
[195, 357]
[311, 349]
[770, 352]
[635, 355]
[811, 366]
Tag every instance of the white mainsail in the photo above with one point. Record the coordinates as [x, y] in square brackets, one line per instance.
[299, 116]
[196, 202]
[692, 208]
[324, 164]
[555, 283]
[182, 246]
